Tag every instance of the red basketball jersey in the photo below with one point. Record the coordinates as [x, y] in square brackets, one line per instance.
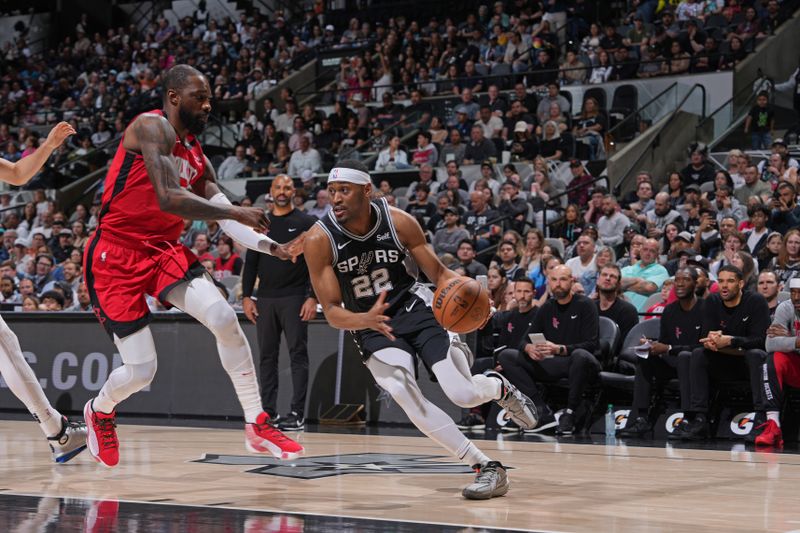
[130, 207]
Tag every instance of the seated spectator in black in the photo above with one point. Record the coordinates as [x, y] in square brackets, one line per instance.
[352, 137]
[698, 171]
[497, 102]
[389, 112]
[461, 122]
[786, 211]
[524, 147]
[649, 63]
[625, 67]
[417, 115]
[677, 62]
[735, 54]
[467, 266]
[513, 206]
[734, 331]
[447, 239]
[611, 41]
[479, 148]
[768, 287]
[469, 79]
[544, 71]
[749, 28]
[609, 302]
[63, 247]
[515, 115]
[426, 177]
[570, 227]
[590, 126]
[551, 145]
[328, 139]
[454, 150]
[773, 18]
[570, 327]
[422, 205]
[603, 70]
[759, 216]
[478, 218]
[668, 356]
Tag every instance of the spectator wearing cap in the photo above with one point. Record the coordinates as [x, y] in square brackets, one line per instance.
[306, 158]
[595, 210]
[426, 152]
[63, 248]
[524, 146]
[491, 124]
[233, 165]
[786, 212]
[645, 277]
[461, 122]
[612, 224]
[513, 206]
[680, 250]
[580, 185]
[661, 215]
[779, 147]
[447, 239]
[454, 150]
[479, 147]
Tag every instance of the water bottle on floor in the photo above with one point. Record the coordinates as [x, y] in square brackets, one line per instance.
[610, 422]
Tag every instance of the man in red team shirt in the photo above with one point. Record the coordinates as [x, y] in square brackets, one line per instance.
[158, 177]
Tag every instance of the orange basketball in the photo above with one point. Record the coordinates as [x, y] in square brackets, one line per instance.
[461, 305]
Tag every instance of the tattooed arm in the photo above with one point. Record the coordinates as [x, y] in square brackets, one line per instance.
[154, 138]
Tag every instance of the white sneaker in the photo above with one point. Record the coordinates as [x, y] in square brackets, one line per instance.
[69, 442]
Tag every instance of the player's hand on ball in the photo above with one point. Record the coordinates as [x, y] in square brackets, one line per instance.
[255, 217]
[60, 131]
[375, 318]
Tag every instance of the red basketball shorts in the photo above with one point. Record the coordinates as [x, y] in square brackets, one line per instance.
[119, 274]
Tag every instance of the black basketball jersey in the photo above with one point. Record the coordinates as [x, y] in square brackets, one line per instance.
[369, 264]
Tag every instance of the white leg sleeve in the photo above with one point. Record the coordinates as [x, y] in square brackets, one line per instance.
[202, 300]
[432, 421]
[20, 378]
[458, 383]
[138, 353]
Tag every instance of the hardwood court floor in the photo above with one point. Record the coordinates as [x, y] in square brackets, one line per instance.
[555, 486]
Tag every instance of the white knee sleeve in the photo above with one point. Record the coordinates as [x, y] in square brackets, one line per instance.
[458, 383]
[138, 353]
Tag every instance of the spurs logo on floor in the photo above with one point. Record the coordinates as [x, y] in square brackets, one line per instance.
[337, 465]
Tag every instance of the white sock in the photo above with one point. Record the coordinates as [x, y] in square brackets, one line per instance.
[471, 454]
[775, 416]
[23, 383]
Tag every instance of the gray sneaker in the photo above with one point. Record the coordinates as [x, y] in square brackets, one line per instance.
[491, 481]
[69, 442]
[519, 407]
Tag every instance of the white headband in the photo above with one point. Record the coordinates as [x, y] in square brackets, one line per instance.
[794, 283]
[350, 175]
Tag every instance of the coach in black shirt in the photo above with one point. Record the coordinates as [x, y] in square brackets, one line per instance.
[669, 356]
[570, 326]
[284, 305]
[734, 334]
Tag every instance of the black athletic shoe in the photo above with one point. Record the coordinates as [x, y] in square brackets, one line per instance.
[292, 422]
[471, 422]
[697, 429]
[678, 431]
[547, 420]
[566, 424]
[639, 428]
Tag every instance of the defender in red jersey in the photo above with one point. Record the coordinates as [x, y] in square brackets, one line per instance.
[159, 177]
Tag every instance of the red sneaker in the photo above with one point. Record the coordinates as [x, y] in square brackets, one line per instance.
[771, 435]
[263, 437]
[101, 436]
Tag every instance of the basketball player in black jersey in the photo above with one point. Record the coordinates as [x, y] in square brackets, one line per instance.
[364, 254]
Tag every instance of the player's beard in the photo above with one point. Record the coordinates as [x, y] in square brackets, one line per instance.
[194, 123]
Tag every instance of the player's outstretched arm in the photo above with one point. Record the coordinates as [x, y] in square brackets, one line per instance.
[22, 171]
[413, 239]
[154, 138]
[326, 287]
